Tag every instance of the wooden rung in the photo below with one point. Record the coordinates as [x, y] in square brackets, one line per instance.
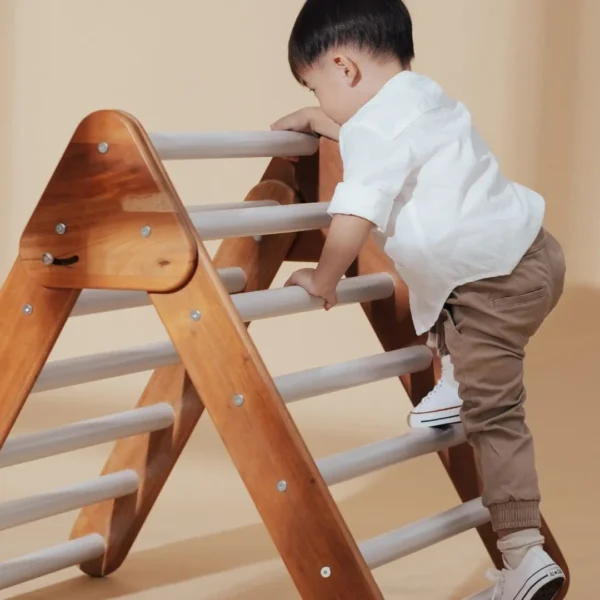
[75, 436]
[293, 387]
[96, 367]
[232, 144]
[407, 540]
[268, 304]
[378, 455]
[203, 208]
[100, 301]
[269, 220]
[353, 373]
[49, 560]
[253, 306]
[26, 510]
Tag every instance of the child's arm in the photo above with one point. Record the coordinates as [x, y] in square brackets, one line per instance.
[309, 120]
[375, 169]
[345, 239]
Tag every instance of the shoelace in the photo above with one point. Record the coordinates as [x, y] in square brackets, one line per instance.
[496, 577]
[433, 392]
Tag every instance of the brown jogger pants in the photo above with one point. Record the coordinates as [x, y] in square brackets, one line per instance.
[485, 327]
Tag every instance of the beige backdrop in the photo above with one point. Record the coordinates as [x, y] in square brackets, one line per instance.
[529, 72]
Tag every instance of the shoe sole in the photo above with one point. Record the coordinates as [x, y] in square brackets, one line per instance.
[440, 418]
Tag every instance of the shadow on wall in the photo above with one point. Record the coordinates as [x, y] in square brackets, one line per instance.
[561, 375]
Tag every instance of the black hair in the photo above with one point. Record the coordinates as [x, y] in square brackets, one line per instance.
[383, 27]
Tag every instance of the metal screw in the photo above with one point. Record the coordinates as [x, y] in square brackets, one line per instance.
[195, 315]
[47, 258]
[238, 400]
[258, 238]
[27, 309]
[103, 147]
[282, 486]
[146, 231]
[326, 572]
[61, 228]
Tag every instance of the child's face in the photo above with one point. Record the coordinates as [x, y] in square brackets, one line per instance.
[338, 85]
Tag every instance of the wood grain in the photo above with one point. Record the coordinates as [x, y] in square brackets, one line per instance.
[105, 200]
[26, 340]
[153, 456]
[262, 440]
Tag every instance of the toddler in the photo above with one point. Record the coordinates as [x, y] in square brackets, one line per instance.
[482, 272]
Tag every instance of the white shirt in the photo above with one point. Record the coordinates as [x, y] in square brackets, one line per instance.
[415, 167]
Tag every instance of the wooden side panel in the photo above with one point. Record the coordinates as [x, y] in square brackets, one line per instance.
[111, 219]
[263, 441]
[31, 319]
[154, 455]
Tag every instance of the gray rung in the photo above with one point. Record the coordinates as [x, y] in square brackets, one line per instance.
[372, 457]
[107, 487]
[49, 560]
[203, 208]
[269, 220]
[407, 540]
[75, 436]
[92, 302]
[194, 145]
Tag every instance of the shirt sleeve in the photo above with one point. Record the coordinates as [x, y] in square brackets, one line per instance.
[375, 171]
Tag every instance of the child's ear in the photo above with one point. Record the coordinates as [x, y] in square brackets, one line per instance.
[348, 68]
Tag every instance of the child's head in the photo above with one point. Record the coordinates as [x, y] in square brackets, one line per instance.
[346, 50]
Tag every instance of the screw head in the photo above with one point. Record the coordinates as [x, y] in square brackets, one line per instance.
[258, 238]
[47, 258]
[326, 572]
[27, 309]
[281, 486]
[195, 315]
[238, 400]
[60, 228]
[103, 147]
[146, 231]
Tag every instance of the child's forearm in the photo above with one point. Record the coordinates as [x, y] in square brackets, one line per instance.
[347, 235]
[324, 126]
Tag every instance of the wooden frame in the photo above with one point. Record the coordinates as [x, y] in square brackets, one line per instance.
[111, 219]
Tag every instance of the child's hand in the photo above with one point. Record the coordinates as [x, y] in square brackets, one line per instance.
[308, 120]
[302, 120]
[305, 278]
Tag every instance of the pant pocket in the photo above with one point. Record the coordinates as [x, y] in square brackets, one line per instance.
[518, 299]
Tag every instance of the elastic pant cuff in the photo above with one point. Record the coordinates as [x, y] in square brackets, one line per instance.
[516, 515]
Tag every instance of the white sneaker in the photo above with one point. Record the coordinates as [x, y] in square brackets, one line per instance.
[442, 405]
[538, 577]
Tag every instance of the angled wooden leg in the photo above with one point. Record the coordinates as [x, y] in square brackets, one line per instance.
[31, 319]
[154, 455]
[273, 461]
